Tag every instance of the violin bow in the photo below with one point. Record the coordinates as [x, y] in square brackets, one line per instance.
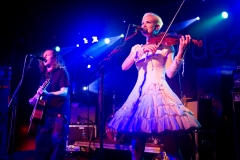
[165, 33]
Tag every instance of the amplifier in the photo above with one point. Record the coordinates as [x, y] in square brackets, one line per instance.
[5, 77]
[202, 109]
[81, 133]
[5, 73]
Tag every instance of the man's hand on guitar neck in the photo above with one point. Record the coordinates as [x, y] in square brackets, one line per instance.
[34, 99]
[42, 91]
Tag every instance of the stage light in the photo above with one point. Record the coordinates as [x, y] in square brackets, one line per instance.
[77, 45]
[107, 40]
[89, 66]
[122, 35]
[94, 39]
[224, 15]
[84, 88]
[57, 48]
[198, 18]
[85, 40]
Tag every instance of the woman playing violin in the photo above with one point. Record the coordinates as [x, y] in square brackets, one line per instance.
[152, 108]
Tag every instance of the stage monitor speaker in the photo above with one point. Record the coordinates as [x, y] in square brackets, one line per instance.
[80, 114]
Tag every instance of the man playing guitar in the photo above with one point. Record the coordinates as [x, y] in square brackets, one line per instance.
[52, 131]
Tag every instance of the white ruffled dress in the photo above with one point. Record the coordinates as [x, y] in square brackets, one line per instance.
[152, 106]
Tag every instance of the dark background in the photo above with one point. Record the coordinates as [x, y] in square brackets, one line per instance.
[31, 27]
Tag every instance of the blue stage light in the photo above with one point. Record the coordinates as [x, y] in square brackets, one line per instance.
[107, 40]
[57, 48]
[224, 15]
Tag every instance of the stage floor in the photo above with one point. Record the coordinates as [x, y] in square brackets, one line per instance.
[109, 144]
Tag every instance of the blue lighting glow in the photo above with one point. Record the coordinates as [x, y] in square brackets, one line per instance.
[224, 15]
[57, 48]
[107, 40]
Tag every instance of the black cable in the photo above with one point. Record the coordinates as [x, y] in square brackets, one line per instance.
[180, 84]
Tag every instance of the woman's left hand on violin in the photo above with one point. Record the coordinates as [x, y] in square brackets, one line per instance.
[184, 42]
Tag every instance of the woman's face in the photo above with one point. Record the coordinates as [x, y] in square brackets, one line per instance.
[48, 55]
[149, 24]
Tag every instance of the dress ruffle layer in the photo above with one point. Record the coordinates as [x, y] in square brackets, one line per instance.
[155, 112]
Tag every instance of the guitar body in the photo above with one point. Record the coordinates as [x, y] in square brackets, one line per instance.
[36, 117]
[37, 112]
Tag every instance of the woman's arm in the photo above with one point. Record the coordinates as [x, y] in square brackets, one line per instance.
[173, 65]
[137, 52]
[62, 92]
[129, 61]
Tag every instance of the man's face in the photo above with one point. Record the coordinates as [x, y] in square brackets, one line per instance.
[48, 55]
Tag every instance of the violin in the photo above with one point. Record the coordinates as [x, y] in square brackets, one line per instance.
[166, 39]
[170, 39]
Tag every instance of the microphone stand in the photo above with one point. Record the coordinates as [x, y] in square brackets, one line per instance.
[14, 100]
[88, 106]
[88, 118]
[100, 116]
[100, 71]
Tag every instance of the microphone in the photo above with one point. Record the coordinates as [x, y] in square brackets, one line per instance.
[142, 30]
[39, 58]
[136, 26]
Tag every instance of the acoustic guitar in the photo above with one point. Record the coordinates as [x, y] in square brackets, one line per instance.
[38, 110]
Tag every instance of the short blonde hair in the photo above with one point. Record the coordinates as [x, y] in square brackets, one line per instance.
[158, 19]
